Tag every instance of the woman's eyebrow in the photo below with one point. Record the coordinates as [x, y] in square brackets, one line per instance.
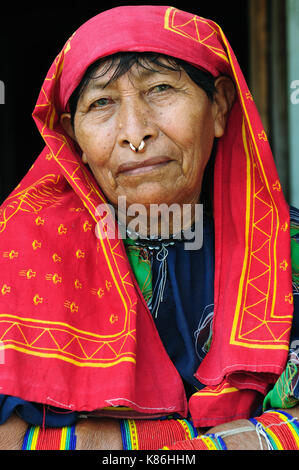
[144, 73]
[140, 74]
[97, 83]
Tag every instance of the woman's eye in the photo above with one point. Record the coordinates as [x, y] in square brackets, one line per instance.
[161, 88]
[100, 103]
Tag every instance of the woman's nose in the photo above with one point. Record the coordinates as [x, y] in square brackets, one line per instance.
[136, 125]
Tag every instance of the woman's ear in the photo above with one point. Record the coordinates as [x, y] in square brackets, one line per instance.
[66, 122]
[223, 101]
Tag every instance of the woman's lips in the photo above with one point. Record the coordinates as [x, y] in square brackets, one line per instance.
[144, 166]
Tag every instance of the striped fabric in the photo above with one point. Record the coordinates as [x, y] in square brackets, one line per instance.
[38, 438]
[155, 434]
[279, 429]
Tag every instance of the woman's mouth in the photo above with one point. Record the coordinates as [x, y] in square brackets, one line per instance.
[143, 167]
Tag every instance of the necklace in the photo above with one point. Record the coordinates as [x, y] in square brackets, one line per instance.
[154, 242]
[156, 247]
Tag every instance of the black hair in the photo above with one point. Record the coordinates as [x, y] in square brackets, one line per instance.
[123, 62]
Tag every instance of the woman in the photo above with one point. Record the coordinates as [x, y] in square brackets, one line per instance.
[157, 343]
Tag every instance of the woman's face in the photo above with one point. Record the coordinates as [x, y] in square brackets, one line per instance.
[167, 110]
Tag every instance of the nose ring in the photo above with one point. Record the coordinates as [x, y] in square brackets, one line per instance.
[137, 149]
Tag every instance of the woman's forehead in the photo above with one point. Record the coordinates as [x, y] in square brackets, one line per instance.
[139, 66]
[104, 76]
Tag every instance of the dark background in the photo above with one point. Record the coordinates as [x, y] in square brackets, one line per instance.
[30, 38]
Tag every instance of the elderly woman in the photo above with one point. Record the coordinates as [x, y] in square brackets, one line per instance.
[140, 341]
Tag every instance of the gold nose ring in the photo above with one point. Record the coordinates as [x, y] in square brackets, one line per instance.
[137, 149]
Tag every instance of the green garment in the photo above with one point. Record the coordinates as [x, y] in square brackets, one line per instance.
[281, 396]
[141, 266]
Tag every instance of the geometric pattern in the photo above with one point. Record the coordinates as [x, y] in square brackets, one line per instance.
[175, 21]
[61, 341]
[32, 199]
[255, 317]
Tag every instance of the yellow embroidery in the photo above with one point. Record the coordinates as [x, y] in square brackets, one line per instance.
[113, 319]
[220, 389]
[99, 292]
[54, 277]
[77, 209]
[259, 277]
[39, 221]
[175, 21]
[56, 258]
[263, 136]
[61, 341]
[29, 273]
[283, 265]
[37, 299]
[71, 305]
[36, 244]
[80, 254]
[78, 284]
[5, 289]
[285, 227]
[62, 229]
[277, 186]
[108, 285]
[289, 298]
[11, 255]
[249, 96]
[67, 46]
[87, 226]
[40, 194]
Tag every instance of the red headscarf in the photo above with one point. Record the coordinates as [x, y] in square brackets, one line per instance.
[74, 328]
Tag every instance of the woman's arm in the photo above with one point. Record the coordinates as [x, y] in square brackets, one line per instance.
[246, 440]
[98, 434]
[92, 434]
[12, 433]
[105, 434]
[242, 440]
